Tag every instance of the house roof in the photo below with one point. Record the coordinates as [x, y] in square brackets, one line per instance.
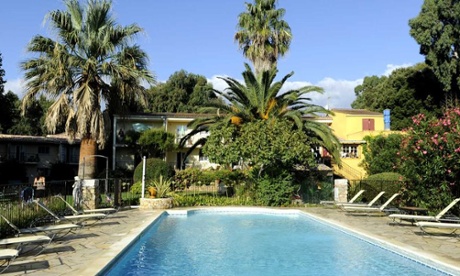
[49, 139]
[161, 115]
[356, 111]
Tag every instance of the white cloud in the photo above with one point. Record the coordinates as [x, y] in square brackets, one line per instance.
[16, 86]
[337, 93]
[392, 67]
[218, 83]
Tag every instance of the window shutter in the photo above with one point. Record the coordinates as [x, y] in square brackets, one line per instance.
[368, 124]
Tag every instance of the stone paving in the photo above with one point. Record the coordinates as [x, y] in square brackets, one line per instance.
[91, 248]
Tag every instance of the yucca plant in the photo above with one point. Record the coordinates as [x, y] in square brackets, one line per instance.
[162, 186]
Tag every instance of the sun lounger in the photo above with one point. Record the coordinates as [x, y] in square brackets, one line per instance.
[438, 225]
[416, 218]
[76, 219]
[7, 256]
[87, 211]
[352, 200]
[50, 230]
[373, 201]
[366, 209]
[19, 242]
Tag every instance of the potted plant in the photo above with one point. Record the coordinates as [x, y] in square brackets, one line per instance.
[159, 189]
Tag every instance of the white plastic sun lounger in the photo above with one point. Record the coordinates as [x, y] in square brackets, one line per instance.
[50, 230]
[364, 205]
[75, 218]
[453, 227]
[416, 218]
[350, 201]
[7, 256]
[366, 209]
[87, 211]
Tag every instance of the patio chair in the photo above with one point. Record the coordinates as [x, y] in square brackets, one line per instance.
[438, 225]
[87, 211]
[352, 200]
[51, 230]
[75, 219]
[416, 218]
[379, 195]
[7, 256]
[367, 209]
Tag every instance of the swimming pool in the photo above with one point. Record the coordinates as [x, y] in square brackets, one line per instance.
[256, 242]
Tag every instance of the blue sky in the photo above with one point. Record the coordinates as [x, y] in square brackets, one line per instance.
[336, 43]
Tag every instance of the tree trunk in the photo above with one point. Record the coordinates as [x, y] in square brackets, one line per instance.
[87, 164]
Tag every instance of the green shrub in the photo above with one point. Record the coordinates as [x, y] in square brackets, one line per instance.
[194, 176]
[388, 182]
[183, 179]
[207, 177]
[275, 190]
[154, 168]
[181, 200]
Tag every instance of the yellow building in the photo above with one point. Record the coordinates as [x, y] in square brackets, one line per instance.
[351, 126]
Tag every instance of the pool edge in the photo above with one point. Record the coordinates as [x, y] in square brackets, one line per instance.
[98, 266]
[431, 260]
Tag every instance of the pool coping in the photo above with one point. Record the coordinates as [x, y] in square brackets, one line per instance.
[99, 265]
[109, 255]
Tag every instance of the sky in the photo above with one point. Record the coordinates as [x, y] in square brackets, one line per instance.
[336, 43]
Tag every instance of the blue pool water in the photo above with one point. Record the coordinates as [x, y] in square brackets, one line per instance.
[234, 243]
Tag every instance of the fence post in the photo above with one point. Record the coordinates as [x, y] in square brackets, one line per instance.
[117, 192]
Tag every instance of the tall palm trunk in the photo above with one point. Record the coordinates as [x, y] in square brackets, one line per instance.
[87, 164]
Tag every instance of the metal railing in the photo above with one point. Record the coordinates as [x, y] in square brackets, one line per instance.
[347, 171]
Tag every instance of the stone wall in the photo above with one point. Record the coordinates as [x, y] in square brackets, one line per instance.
[155, 203]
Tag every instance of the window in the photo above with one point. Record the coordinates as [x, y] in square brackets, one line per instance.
[349, 151]
[43, 150]
[368, 124]
[181, 131]
[73, 155]
[202, 156]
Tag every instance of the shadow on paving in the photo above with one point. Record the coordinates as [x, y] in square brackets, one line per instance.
[48, 250]
[102, 224]
[27, 267]
[437, 233]
[78, 236]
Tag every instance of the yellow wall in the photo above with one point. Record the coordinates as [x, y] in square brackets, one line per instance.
[350, 126]
[347, 125]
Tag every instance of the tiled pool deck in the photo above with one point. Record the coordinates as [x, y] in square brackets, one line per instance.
[90, 249]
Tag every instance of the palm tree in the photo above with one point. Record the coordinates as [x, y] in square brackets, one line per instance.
[260, 98]
[263, 35]
[90, 62]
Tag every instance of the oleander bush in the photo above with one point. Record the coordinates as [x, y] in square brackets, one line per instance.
[430, 154]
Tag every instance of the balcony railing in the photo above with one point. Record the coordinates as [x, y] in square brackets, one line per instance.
[24, 157]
